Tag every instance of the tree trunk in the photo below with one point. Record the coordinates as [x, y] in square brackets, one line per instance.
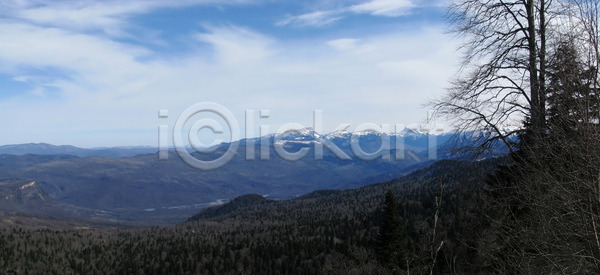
[536, 113]
[542, 81]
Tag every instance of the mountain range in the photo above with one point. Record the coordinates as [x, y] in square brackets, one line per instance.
[49, 149]
[118, 185]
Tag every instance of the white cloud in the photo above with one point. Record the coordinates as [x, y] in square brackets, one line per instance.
[235, 45]
[82, 16]
[30, 45]
[20, 78]
[313, 19]
[355, 46]
[57, 58]
[108, 16]
[38, 91]
[390, 8]
[343, 44]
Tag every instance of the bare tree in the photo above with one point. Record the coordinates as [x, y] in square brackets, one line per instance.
[535, 60]
[503, 73]
[587, 14]
[551, 201]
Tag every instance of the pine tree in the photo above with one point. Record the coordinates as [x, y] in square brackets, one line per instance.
[571, 96]
[391, 240]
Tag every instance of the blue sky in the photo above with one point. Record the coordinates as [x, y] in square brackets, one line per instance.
[95, 73]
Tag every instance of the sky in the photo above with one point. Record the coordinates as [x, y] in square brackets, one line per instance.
[96, 73]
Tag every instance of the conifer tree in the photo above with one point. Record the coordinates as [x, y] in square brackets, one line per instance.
[391, 240]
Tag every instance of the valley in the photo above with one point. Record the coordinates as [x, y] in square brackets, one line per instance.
[141, 190]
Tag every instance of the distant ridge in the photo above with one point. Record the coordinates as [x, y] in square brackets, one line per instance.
[49, 149]
[412, 141]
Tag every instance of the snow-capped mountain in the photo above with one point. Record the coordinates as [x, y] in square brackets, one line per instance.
[369, 141]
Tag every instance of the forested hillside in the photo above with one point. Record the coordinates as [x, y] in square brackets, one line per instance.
[331, 232]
